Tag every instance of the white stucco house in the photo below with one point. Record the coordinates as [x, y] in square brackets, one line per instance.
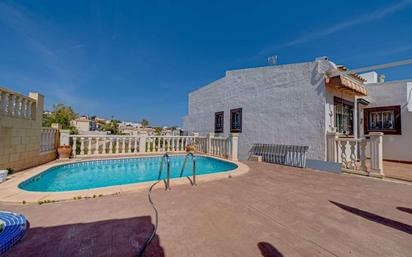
[296, 104]
[390, 111]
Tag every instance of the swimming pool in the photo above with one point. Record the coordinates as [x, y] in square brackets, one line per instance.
[104, 173]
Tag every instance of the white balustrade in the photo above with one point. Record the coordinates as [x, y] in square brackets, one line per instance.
[48, 139]
[201, 144]
[15, 105]
[351, 153]
[217, 146]
[99, 145]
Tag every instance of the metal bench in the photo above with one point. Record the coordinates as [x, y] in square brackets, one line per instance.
[291, 155]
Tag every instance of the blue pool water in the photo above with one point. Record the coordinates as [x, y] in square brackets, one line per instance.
[102, 173]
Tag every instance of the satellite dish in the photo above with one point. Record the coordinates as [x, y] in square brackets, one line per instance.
[273, 60]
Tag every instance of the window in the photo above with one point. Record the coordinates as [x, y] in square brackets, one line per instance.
[383, 119]
[236, 120]
[219, 122]
[343, 116]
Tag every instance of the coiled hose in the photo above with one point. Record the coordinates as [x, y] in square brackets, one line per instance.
[149, 239]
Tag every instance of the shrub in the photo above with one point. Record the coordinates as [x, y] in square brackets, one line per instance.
[10, 170]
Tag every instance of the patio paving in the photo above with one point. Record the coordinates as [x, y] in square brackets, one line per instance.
[271, 211]
[398, 170]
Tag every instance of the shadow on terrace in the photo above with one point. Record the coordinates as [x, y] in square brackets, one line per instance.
[404, 209]
[117, 237]
[376, 218]
[268, 250]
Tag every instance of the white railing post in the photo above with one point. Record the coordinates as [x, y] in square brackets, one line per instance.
[331, 147]
[173, 144]
[362, 153]
[89, 146]
[117, 144]
[82, 146]
[57, 127]
[352, 155]
[142, 144]
[376, 153]
[234, 144]
[47, 140]
[123, 145]
[3, 104]
[96, 149]
[104, 150]
[10, 105]
[64, 137]
[209, 142]
[74, 146]
[135, 144]
[24, 108]
[195, 143]
[111, 145]
[343, 156]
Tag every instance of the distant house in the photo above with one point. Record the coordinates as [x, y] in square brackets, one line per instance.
[294, 104]
[130, 124]
[84, 124]
[133, 131]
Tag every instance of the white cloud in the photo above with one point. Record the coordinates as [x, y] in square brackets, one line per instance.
[376, 14]
[61, 86]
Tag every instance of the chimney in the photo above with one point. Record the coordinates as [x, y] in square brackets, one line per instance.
[381, 78]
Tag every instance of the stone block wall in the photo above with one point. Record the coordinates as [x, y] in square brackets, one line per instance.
[20, 132]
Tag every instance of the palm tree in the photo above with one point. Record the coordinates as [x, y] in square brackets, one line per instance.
[145, 123]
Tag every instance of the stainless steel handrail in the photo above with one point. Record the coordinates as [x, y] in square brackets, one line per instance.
[149, 195]
[167, 183]
[192, 181]
[167, 180]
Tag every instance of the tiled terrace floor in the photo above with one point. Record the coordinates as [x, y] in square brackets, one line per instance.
[398, 170]
[271, 211]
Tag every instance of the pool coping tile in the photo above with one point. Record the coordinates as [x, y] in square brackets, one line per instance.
[11, 193]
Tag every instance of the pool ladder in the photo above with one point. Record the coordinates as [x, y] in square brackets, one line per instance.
[193, 180]
[167, 180]
[167, 184]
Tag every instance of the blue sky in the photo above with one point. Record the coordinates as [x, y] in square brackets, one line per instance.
[140, 59]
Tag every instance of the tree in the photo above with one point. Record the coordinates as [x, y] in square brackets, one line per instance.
[158, 131]
[61, 114]
[145, 123]
[112, 127]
